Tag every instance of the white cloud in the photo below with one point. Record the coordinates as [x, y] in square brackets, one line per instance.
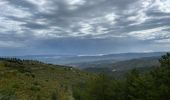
[111, 17]
[86, 29]
[138, 12]
[159, 5]
[45, 6]
[162, 5]
[42, 21]
[140, 8]
[8, 25]
[75, 4]
[94, 26]
[45, 33]
[140, 18]
[150, 33]
[9, 10]
[101, 30]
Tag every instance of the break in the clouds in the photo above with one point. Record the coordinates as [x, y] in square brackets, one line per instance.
[83, 26]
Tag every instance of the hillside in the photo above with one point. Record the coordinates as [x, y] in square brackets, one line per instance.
[34, 80]
[136, 63]
[122, 67]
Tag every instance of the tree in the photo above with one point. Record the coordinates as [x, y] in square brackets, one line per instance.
[165, 60]
[53, 96]
[101, 88]
[161, 79]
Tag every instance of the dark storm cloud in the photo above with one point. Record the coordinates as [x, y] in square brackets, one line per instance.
[58, 25]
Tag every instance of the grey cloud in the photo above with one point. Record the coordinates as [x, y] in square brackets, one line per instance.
[92, 19]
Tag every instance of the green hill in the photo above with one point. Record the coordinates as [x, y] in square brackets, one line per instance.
[120, 68]
[33, 80]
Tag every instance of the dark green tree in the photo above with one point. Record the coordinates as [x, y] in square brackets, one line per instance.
[53, 96]
[101, 88]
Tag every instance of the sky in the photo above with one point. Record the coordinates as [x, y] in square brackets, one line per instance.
[87, 27]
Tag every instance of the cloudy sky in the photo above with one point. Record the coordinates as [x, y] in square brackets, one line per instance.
[83, 26]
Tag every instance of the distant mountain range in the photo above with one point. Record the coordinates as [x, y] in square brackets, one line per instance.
[124, 65]
[119, 69]
[81, 61]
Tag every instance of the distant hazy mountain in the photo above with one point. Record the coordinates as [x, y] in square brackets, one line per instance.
[122, 67]
[75, 60]
[118, 65]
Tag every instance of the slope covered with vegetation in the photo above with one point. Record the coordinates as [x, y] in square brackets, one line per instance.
[33, 80]
[119, 69]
